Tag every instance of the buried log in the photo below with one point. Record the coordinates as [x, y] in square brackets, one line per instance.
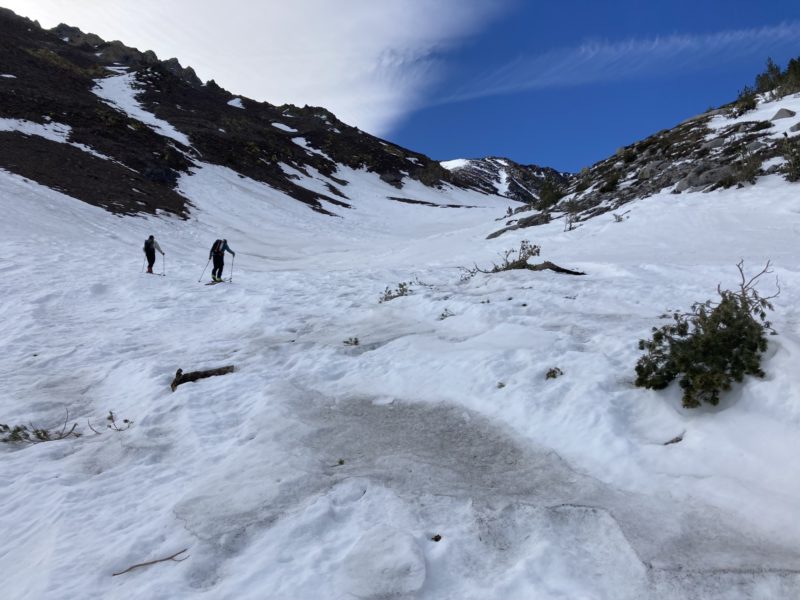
[521, 265]
[547, 265]
[675, 440]
[181, 377]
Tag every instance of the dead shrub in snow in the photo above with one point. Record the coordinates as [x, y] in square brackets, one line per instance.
[30, 434]
[711, 347]
[517, 258]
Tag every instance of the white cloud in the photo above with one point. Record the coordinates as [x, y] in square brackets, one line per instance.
[368, 61]
[594, 62]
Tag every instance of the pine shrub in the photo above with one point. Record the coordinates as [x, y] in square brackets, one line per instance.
[711, 347]
[549, 195]
[611, 182]
[791, 152]
[746, 101]
[553, 373]
[770, 79]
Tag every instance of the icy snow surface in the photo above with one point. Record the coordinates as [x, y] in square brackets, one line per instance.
[8, 76]
[236, 102]
[119, 92]
[324, 470]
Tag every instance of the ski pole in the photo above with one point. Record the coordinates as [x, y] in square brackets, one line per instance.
[144, 260]
[204, 270]
[164, 265]
[233, 260]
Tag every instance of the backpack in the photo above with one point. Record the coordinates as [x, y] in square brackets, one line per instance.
[217, 247]
[149, 245]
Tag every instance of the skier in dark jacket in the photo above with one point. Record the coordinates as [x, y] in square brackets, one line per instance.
[150, 247]
[218, 254]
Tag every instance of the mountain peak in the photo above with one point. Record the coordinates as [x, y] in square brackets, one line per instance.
[505, 177]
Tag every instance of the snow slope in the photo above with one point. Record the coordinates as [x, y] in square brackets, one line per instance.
[119, 91]
[322, 470]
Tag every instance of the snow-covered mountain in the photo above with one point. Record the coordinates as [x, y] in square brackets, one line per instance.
[120, 127]
[415, 447]
[505, 177]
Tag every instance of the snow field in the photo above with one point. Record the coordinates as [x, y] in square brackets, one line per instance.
[539, 488]
[321, 470]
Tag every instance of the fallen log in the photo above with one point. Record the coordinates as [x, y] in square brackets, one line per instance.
[547, 265]
[181, 377]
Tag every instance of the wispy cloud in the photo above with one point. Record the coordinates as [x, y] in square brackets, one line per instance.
[603, 61]
[368, 61]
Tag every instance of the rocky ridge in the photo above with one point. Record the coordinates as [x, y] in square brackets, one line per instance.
[719, 149]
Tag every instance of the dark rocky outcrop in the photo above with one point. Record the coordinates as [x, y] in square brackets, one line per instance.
[783, 113]
[539, 218]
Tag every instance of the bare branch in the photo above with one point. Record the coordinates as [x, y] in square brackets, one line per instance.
[740, 266]
[70, 432]
[750, 283]
[776, 294]
[172, 558]
[64, 428]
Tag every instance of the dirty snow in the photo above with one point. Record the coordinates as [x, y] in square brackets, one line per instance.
[325, 470]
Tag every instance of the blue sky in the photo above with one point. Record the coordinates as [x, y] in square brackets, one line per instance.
[559, 84]
[625, 69]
